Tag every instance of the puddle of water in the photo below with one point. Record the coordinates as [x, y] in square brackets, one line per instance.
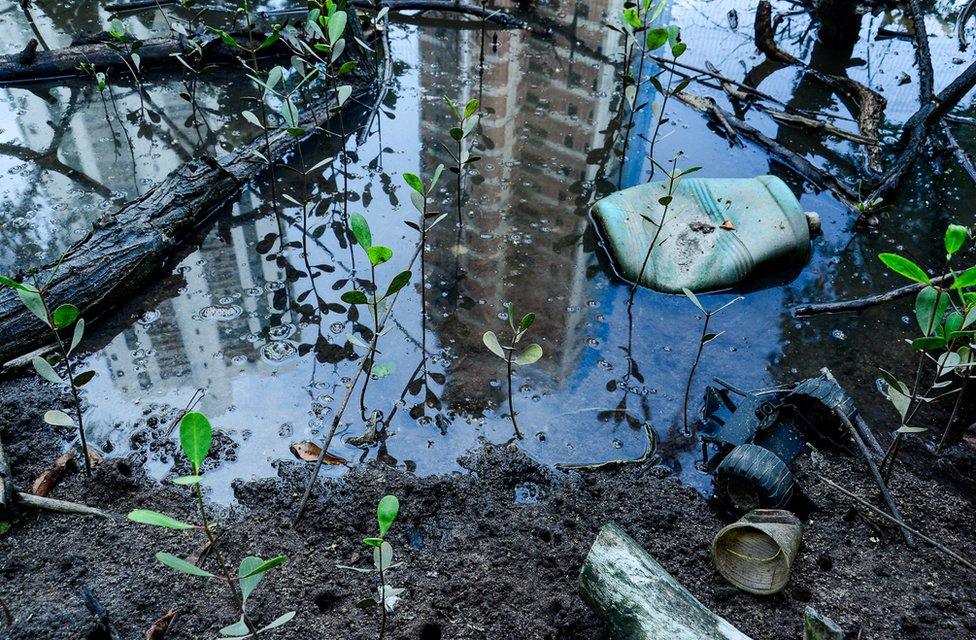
[237, 317]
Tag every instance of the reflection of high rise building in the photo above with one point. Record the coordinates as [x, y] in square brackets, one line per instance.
[546, 105]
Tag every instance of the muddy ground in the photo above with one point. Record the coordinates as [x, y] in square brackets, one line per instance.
[476, 564]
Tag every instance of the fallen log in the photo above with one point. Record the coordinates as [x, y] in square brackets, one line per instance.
[639, 599]
[129, 247]
[31, 65]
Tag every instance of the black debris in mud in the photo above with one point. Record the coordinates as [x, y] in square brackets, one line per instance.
[476, 564]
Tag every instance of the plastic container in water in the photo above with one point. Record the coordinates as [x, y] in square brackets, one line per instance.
[717, 232]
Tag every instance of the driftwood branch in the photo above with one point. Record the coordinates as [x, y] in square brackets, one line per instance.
[639, 599]
[859, 304]
[794, 161]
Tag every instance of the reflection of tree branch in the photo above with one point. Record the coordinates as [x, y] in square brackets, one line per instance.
[50, 162]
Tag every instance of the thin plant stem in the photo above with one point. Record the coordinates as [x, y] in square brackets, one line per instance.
[657, 125]
[657, 233]
[952, 418]
[63, 351]
[382, 596]
[511, 406]
[694, 366]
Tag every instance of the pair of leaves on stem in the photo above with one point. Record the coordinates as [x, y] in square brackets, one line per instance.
[529, 355]
[377, 255]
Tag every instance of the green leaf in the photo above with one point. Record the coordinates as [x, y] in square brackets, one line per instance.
[694, 299]
[452, 107]
[337, 26]
[437, 176]
[386, 513]
[382, 370]
[354, 297]
[360, 231]
[77, 335]
[347, 67]
[678, 48]
[260, 568]
[955, 237]
[930, 306]
[343, 93]
[953, 322]
[929, 344]
[239, 628]
[470, 108]
[656, 38]
[156, 519]
[13, 284]
[414, 182]
[46, 371]
[84, 378]
[378, 254]
[491, 341]
[290, 113]
[372, 542]
[397, 283]
[65, 315]
[180, 564]
[531, 354]
[632, 19]
[196, 435]
[185, 480]
[527, 321]
[279, 621]
[32, 300]
[457, 133]
[58, 418]
[965, 279]
[904, 267]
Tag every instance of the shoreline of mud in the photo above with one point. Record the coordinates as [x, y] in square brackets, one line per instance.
[476, 562]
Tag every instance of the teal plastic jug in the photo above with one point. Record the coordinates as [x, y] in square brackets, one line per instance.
[717, 231]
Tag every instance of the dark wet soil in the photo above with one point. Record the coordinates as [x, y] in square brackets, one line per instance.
[476, 564]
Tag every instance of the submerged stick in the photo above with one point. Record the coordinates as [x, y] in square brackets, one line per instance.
[613, 464]
[864, 503]
[859, 304]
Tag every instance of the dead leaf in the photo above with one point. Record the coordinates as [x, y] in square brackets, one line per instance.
[728, 225]
[310, 452]
[158, 630]
[49, 478]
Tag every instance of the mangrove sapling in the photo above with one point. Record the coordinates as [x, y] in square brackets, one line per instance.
[639, 36]
[529, 355]
[420, 197]
[127, 46]
[677, 49]
[945, 332]
[61, 318]
[705, 338]
[377, 255]
[196, 436]
[387, 595]
[466, 123]
[665, 201]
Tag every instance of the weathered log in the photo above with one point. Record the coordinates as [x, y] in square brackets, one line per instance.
[7, 492]
[154, 53]
[639, 599]
[127, 248]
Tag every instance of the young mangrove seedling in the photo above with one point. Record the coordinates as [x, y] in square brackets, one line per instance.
[420, 197]
[529, 355]
[466, 123]
[677, 49]
[196, 436]
[127, 46]
[705, 338]
[377, 255]
[945, 311]
[57, 320]
[665, 201]
[386, 594]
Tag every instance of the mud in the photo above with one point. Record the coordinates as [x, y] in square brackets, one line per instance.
[491, 553]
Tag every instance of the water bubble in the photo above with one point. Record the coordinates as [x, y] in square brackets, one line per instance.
[279, 351]
[149, 317]
[220, 313]
[281, 331]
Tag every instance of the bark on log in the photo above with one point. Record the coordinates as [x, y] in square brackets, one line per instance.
[127, 248]
[7, 492]
[154, 53]
[639, 599]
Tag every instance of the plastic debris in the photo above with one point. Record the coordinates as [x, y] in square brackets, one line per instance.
[756, 553]
[716, 232]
